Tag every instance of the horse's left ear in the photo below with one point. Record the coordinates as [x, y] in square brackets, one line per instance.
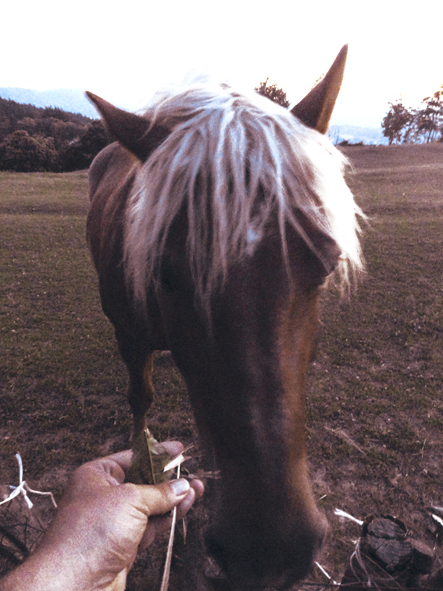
[132, 131]
[316, 108]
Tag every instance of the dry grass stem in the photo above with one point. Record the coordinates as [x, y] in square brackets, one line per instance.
[340, 433]
[175, 463]
[167, 569]
[202, 474]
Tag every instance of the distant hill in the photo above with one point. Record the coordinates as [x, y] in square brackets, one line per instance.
[73, 101]
[354, 134]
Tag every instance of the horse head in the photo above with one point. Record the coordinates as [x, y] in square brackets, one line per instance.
[215, 221]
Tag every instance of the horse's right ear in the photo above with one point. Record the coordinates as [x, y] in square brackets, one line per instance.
[131, 130]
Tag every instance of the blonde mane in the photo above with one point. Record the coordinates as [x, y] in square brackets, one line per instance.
[235, 160]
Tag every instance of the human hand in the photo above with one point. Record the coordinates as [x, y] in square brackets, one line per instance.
[100, 525]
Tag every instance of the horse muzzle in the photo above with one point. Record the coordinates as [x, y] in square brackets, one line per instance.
[262, 560]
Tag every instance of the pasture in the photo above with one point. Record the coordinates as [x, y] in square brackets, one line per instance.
[374, 397]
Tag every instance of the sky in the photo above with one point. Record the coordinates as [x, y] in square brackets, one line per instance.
[125, 50]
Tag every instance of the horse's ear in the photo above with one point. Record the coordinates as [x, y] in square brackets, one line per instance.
[316, 108]
[132, 131]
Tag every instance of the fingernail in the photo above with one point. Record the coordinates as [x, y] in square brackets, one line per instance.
[180, 486]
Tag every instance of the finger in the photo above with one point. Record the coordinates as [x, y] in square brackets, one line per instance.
[157, 525]
[173, 447]
[122, 458]
[96, 474]
[117, 464]
[186, 504]
[199, 488]
[107, 470]
[161, 498]
[160, 523]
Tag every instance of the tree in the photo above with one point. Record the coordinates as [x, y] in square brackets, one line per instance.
[403, 125]
[273, 92]
[56, 113]
[61, 131]
[48, 131]
[22, 153]
[396, 122]
[429, 120]
[29, 124]
[81, 152]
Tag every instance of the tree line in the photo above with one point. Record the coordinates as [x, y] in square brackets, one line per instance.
[34, 139]
[405, 125]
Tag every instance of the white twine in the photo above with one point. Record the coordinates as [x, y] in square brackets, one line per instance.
[23, 488]
[341, 513]
[357, 555]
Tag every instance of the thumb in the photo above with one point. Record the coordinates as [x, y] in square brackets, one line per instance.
[161, 498]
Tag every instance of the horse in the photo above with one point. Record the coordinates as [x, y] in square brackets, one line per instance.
[216, 218]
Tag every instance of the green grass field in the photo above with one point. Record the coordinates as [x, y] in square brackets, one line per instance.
[375, 408]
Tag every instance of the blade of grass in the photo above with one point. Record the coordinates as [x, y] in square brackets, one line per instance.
[167, 569]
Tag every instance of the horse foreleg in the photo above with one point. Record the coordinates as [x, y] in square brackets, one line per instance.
[139, 362]
[141, 392]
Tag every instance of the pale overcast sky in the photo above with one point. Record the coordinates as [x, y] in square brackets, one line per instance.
[124, 50]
